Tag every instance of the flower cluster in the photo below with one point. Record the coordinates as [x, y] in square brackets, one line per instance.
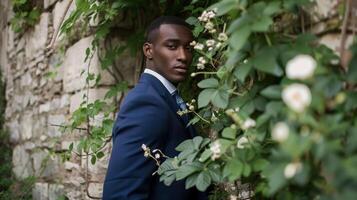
[297, 96]
[216, 150]
[155, 154]
[201, 63]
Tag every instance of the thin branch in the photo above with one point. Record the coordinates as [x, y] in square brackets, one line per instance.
[344, 30]
[55, 33]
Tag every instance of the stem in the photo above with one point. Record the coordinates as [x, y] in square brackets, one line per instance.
[203, 119]
[268, 39]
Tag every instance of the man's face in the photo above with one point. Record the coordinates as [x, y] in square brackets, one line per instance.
[171, 52]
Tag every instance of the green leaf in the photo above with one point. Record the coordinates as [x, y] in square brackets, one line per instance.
[239, 37]
[191, 181]
[100, 154]
[204, 97]
[197, 142]
[229, 133]
[203, 181]
[187, 170]
[93, 159]
[262, 24]
[260, 164]
[224, 7]
[274, 107]
[272, 92]
[205, 155]
[272, 8]
[208, 83]
[242, 71]
[246, 170]
[187, 144]
[233, 169]
[266, 61]
[220, 98]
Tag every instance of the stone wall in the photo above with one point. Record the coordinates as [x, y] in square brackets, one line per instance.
[37, 102]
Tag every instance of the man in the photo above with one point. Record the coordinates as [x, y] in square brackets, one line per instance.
[149, 116]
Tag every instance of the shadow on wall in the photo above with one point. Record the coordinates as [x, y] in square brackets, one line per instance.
[9, 188]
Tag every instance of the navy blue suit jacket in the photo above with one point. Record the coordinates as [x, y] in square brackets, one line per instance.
[147, 116]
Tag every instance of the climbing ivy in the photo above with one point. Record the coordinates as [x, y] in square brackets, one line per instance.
[26, 15]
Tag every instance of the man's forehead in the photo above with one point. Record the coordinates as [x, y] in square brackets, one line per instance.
[174, 31]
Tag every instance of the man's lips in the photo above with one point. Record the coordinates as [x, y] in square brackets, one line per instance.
[181, 68]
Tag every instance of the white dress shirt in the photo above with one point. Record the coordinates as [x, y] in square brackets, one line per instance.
[169, 86]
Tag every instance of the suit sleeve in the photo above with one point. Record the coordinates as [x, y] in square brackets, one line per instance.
[129, 175]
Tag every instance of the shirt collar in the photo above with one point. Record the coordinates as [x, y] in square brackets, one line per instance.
[168, 85]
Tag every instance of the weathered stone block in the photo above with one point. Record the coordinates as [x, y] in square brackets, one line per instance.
[93, 94]
[95, 190]
[26, 126]
[74, 65]
[14, 129]
[55, 191]
[40, 191]
[21, 161]
[48, 3]
[37, 38]
[54, 121]
[44, 107]
[44, 164]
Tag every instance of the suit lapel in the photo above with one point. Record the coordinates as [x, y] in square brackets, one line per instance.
[160, 88]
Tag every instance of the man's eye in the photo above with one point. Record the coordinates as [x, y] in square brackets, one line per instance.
[171, 46]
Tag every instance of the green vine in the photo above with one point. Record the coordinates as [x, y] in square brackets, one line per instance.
[26, 15]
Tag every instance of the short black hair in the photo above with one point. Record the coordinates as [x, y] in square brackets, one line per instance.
[155, 25]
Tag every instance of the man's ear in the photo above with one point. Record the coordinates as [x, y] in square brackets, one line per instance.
[147, 49]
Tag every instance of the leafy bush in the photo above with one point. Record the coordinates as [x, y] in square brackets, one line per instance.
[278, 103]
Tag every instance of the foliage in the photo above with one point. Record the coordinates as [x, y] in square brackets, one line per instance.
[26, 15]
[284, 150]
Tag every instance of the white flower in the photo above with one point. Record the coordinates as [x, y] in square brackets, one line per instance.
[297, 96]
[200, 66]
[280, 132]
[212, 30]
[209, 26]
[199, 46]
[248, 124]
[210, 48]
[193, 43]
[300, 67]
[242, 142]
[216, 150]
[291, 169]
[222, 37]
[233, 197]
[210, 43]
[191, 107]
[218, 45]
[213, 117]
[157, 156]
[143, 146]
[202, 60]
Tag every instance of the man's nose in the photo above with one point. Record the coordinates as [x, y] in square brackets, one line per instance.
[182, 54]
